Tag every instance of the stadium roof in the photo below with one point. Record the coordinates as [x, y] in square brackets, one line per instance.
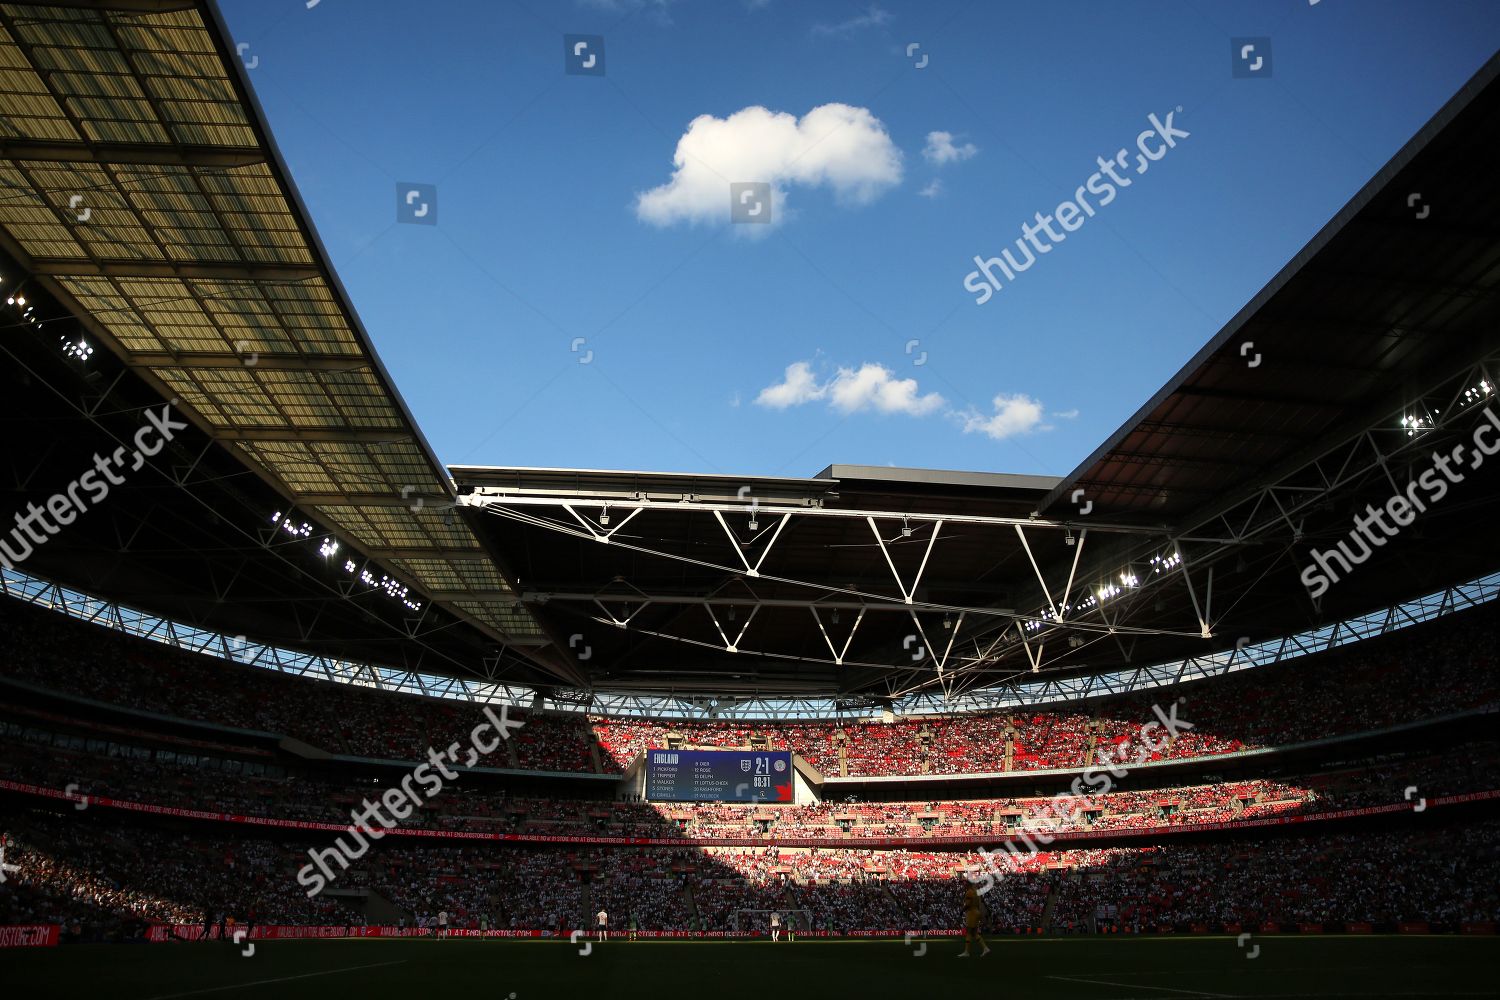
[1186, 532]
[746, 583]
[147, 198]
[147, 206]
[1397, 288]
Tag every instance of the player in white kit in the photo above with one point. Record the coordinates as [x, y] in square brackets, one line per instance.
[603, 920]
[775, 926]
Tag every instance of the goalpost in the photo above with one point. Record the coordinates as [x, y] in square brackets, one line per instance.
[746, 919]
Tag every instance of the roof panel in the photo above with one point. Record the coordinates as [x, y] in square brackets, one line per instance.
[188, 268]
[512, 619]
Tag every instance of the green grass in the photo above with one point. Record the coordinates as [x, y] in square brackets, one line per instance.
[1059, 969]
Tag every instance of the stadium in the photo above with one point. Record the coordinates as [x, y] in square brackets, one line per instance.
[290, 705]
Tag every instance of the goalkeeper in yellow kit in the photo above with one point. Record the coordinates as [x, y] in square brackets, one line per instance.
[973, 911]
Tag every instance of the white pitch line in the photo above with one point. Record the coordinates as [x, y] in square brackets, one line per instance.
[283, 979]
[1134, 986]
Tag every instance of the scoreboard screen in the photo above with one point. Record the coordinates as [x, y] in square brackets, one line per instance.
[719, 775]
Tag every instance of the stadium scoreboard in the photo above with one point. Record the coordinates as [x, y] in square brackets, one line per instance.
[719, 776]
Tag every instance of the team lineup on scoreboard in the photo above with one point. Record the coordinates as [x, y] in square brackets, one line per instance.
[718, 776]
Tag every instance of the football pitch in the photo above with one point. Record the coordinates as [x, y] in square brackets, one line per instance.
[1060, 968]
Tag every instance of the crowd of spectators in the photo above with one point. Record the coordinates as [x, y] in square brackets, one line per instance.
[1419, 673]
[733, 885]
[1430, 671]
[1445, 877]
[166, 778]
[73, 871]
[643, 889]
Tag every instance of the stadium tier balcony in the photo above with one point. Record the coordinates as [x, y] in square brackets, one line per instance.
[1422, 673]
[69, 766]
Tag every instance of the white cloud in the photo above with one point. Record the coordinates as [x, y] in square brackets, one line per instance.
[798, 387]
[843, 147]
[941, 149]
[874, 388]
[1065, 414]
[870, 387]
[873, 17]
[933, 189]
[1019, 414]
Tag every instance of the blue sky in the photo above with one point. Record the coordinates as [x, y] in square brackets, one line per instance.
[778, 349]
